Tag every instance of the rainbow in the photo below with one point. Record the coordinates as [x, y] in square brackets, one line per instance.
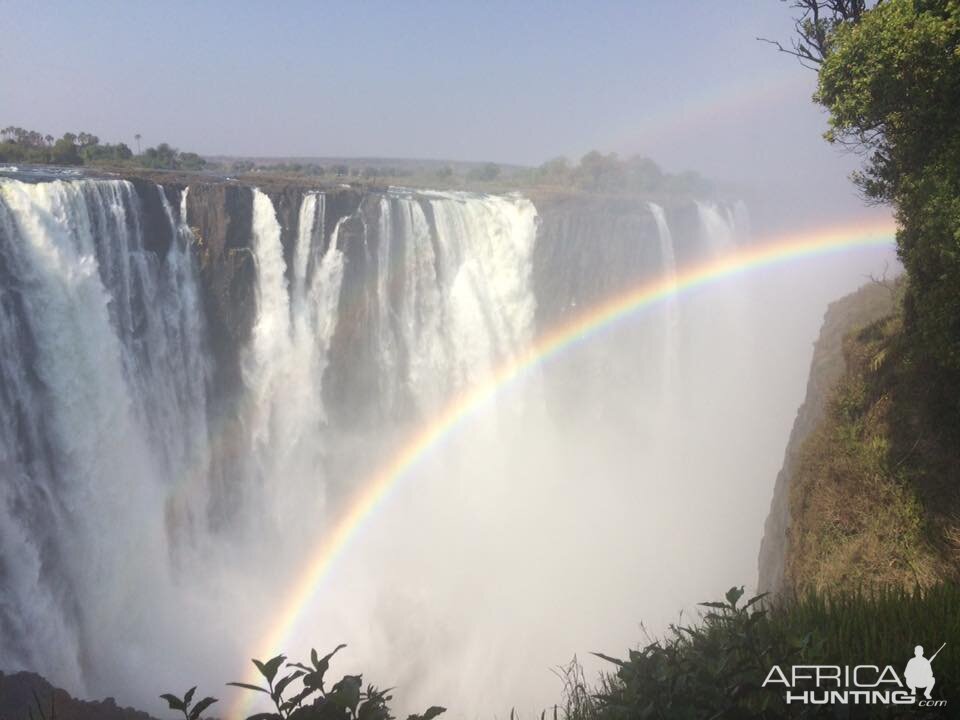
[457, 414]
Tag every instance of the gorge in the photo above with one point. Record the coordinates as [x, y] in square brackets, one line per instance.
[198, 376]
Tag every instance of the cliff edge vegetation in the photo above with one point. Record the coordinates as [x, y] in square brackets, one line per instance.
[875, 497]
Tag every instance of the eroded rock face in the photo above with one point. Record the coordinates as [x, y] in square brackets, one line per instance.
[221, 219]
[351, 381]
[866, 305]
[154, 222]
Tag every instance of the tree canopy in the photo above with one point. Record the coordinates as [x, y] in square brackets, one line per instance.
[21, 145]
[891, 82]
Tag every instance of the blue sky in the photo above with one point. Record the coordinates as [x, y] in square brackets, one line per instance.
[681, 81]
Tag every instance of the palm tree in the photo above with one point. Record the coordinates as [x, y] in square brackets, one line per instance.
[137, 138]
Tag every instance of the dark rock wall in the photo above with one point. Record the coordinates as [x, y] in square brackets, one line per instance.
[221, 219]
[351, 385]
[154, 223]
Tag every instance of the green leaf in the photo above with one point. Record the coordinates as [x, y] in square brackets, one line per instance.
[282, 684]
[374, 708]
[755, 599]
[201, 706]
[734, 594]
[173, 701]
[433, 711]
[248, 686]
[313, 680]
[429, 714]
[298, 698]
[321, 665]
[188, 696]
[271, 667]
[346, 693]
[609, 659]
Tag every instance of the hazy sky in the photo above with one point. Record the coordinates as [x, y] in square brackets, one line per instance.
[683, 82]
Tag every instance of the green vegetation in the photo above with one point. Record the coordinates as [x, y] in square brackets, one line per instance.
[891, 81]
[876, 495]
[185, 704]
[715, 668]
[488, 172]
[610, 174]
[595, 172]
[345, 700]
[28, 146]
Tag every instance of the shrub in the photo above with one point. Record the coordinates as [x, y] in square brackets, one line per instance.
[716, 668]
[298, 692]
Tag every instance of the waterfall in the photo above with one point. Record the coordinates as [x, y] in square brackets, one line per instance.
[288, 352]
[355, 318]
[453, 292]
[668, 265]
[719, 226]
[102, 400]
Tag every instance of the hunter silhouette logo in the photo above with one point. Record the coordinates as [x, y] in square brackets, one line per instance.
[919, 672]
[858, 684]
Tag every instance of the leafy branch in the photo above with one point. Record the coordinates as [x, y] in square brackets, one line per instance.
[184, 704]
[345, 700]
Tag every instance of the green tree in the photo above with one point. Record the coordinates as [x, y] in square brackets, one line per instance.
[65, 151]
[600, 172]
[642, 173]
[485, 173]
[892, 85]
[554, 172]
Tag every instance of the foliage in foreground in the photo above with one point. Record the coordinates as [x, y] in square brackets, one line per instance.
[299, 693]
[715, 668]
[710, 668]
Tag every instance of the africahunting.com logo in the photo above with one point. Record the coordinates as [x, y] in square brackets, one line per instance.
[859, 684]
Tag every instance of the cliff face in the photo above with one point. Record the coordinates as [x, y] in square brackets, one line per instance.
[844, 316]
[588, 248]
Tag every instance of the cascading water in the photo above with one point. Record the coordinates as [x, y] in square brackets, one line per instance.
[371, 313]
[453, 292]
[671, 313]
[287, 356]
[102, 400]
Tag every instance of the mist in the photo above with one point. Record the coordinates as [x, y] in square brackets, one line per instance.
[169, 479]
[611, 484]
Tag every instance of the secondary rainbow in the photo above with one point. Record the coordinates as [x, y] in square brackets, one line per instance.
[457, 413]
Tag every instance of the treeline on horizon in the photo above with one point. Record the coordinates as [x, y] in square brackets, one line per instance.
[594, 172]
[18, 144]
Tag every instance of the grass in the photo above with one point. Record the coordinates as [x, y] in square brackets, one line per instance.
[715, 667]
[875, 500]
